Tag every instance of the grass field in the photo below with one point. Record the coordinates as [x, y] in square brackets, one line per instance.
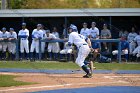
[66, 65]
[8, 80]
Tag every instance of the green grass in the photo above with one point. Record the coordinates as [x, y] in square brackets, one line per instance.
[66, 65]
[8, 80]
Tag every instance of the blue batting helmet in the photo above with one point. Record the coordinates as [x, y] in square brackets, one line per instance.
[73, 27]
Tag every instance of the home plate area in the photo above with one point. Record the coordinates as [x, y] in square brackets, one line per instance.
[74, 83]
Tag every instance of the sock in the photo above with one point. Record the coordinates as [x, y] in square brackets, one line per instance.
[85, 68]
[31, 55]
[27, 56]
[86, 62]
[37, 55]
[68, 56]
[126, 56]
[22, 55]
[50, 55]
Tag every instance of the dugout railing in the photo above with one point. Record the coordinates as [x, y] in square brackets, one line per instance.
[99, 40]
[17, 46]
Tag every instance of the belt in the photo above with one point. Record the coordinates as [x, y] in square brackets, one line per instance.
[23, 38]
[82, 44]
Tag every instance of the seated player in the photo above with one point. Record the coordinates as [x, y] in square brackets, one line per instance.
[95, 49]
[67, 50]
[124, 48]
[53, 47]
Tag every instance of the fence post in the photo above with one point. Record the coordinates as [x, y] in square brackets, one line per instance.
[40, 49]
[17, 49]
[119, 51]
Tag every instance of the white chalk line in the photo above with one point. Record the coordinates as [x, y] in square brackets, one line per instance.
[112, 77]
[63, 85]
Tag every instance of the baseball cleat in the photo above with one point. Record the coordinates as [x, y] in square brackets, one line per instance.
[88, 75]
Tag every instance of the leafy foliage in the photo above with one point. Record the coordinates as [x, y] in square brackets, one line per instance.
[49, 4]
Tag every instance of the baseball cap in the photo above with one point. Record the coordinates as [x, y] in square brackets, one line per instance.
[11, 29]
[23, 24]
[93, 23]
[39, 25]
[3, 28]
[84, 23]
[47, 31]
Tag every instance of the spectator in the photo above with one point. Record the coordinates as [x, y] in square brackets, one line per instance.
[105, 34]
[130, 39]
[65, 32]
[53, 47]
[123, 33]
[24, 43]
[55, 32]
[124, 48]
[94, 31]
[12, 45]
[84, 31]
[4, 36]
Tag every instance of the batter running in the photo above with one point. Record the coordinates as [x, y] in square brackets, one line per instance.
[83, 49]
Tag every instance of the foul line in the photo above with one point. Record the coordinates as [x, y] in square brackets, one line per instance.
[64, 85]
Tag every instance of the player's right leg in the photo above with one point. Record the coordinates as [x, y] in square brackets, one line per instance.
[26, 46]
[4, 49]
[50, 51]
[21, 50]
[32, 48]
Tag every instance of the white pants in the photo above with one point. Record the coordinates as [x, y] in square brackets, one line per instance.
[0, 47]
[43, 47]
[4, 46]
[12, 47]
[66, 51]
[24, 44]
[137, 51]
[115, 52]
[83, 52]
[53, 47]
[132, 46]
[35, 46]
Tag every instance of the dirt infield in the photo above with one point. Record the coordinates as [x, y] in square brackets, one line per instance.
[61, 81]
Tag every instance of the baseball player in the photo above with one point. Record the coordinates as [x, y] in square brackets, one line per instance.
[130, 39]
[105, 34]
[137, 50]
[57, 44]
[36, 35]
[0, 44]
[67, 50]
[124, 48]
[52, 47]
[12, 45]
[85, 31]
[4, 44]
[83, 49]
[24, 44]
[94, 31]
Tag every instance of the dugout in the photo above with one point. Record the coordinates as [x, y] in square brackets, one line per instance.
[116, 18]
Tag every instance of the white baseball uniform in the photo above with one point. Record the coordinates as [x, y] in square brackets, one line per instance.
[43, 44]
[57, 47]
[137, 50]
[130, 39]
[12, 45]
[94, 33]
[36, 35]
[75, 38]
[0, 42]
[52, 47]
[4, 44]
[67, 49]
[85, 32]
[24, 43]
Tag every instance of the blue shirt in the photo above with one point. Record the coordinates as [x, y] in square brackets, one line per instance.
[124, 45]
[95, 45]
